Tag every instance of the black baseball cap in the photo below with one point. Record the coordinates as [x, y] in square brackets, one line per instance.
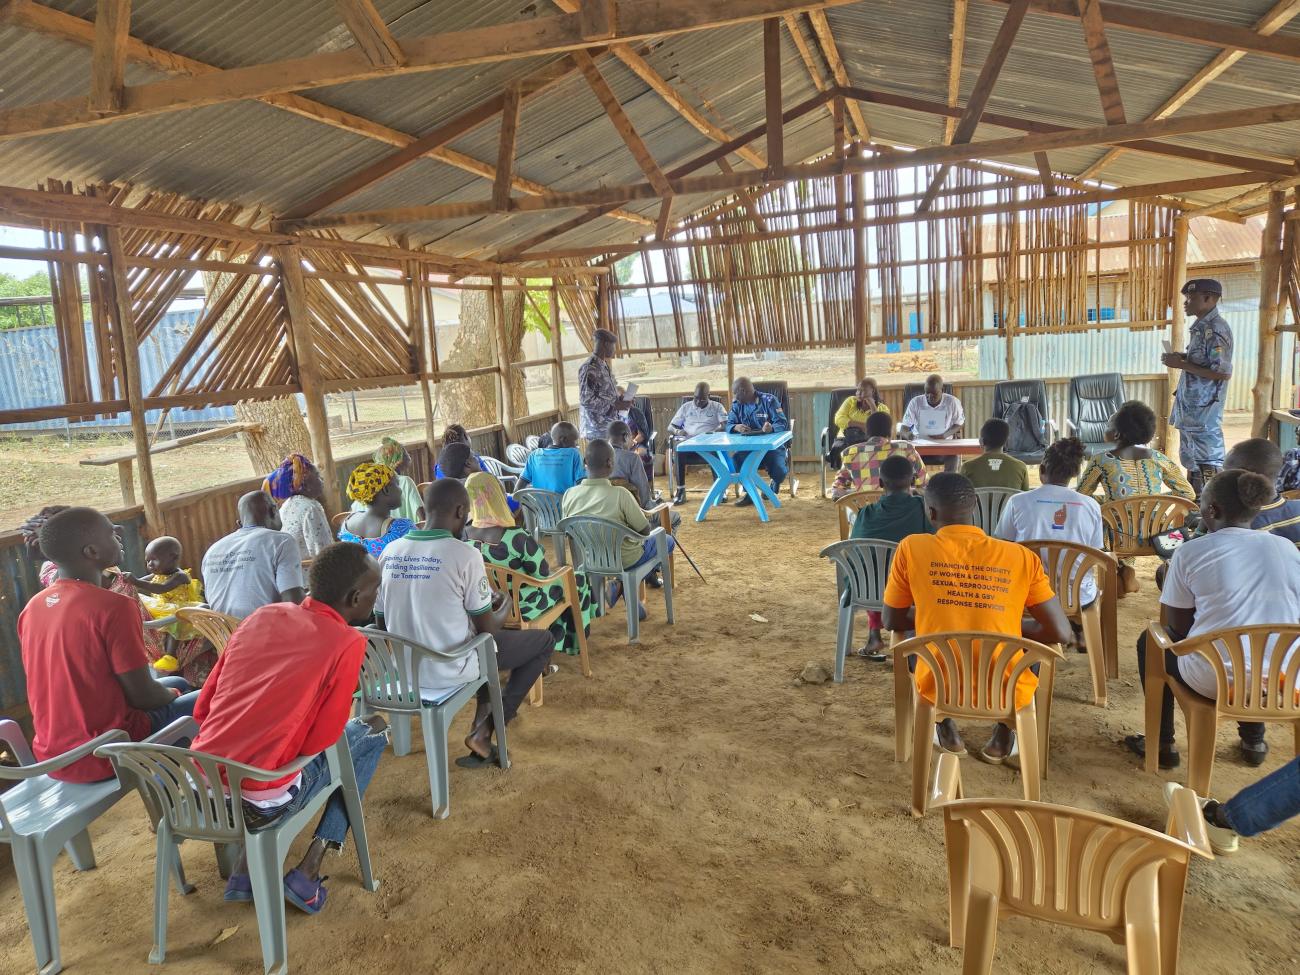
[1206, 286]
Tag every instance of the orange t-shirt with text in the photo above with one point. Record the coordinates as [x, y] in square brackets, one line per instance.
[961, 581]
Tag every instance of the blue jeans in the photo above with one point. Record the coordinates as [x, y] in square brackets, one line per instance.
[1268, 803]
[182, 707]
[366, 747]
[650, 551]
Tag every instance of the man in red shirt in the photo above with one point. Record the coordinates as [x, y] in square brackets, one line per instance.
[283, 689]
[83, 651]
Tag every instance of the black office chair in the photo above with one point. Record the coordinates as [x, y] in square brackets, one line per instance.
[831, 431]
[642, 403]
[781, 390]
[1093, 401]
[1006, 394]
[910, 392]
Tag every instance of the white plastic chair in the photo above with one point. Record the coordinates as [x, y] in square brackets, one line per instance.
[532, 441]
[517, 454]
[390, 684]
[598, 549]
[41, 815]
[991, 502]
[181, 782]
[862, 568]
[542, 513]
[503, 472]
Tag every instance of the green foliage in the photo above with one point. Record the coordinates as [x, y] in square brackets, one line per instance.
[537, 313]
[623, 268]
[33, 285]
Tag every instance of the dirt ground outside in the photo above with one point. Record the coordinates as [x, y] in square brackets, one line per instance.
[691, 808]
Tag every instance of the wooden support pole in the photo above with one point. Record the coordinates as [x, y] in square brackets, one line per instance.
[420, 328]
[505, 401]
[859, 278]
[506, 149]
[1270, 275]
[1177, 329]
[558, 392]
[772, 94]
[108, 56]
[129, 361]
[303, 340]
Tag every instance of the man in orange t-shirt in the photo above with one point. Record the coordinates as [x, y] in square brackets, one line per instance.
[959, 580]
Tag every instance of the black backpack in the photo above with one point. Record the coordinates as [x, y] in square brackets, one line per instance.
[1026, 425]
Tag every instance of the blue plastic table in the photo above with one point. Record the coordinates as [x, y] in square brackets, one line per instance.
[722, 452]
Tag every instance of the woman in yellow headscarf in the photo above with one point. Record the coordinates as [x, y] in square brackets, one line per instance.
[393, 454]
[494, 533]
[376, 487]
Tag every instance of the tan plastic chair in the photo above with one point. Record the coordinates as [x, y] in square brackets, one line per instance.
[337, 521]
[1292, 495]
[1130, 522]
[1067, 866]
[969, 671]
[1264, 648]
[214, 627]
[511, 580]
[847, 508]
[1067, 564]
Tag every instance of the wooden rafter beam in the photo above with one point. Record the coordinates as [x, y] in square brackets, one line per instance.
[636, 20]
[664, 222]
[622, 124]
[1045, 173]
[956, 54]
[979, 96]
[747, 199]
[831, 52]
[54, 23]
[1277, 17]
[772, 93]
[1103, 65]
[640, 67]
[108, 56]
[506, 149]
[1214, 157]
[794, 28]
[370, 32]
[1241, 199]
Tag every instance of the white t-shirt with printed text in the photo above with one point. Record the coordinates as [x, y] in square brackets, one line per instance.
[431, 585]
[249, 568]
[1232, 577]
[1058, 513]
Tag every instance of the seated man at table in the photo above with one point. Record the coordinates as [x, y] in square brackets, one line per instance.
[861, 470]
[558, 466]
[896, 515]
[700, 414]
[598, 498]
[995, 467]
[936, 415]
[256, 565]
[83, 651]
[753, 411]
[283, 689]
[959, 580]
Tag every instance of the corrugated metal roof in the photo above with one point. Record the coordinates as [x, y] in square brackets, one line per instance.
[252, 154]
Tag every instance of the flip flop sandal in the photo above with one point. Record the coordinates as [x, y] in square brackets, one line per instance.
[475, 760]
[238, 888]
[876, 655]
[939, 745]
[306, 895]
[988, 759]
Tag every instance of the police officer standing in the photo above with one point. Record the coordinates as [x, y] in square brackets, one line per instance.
[1202, 388]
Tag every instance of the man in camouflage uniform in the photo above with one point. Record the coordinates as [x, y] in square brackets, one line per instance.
[1202, 388]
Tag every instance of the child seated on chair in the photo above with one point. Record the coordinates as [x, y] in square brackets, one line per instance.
[861, 462]
[557, 467]
[283, 689]
[896, 515]
[162, 557]
[1231, 576]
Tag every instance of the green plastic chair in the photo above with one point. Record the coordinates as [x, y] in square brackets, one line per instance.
[598, 549]
[390, 684]
[542, 514]
[178, 781]
[861, 569]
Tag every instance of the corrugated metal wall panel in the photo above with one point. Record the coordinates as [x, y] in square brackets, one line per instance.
[29, 373]
[1119, 350]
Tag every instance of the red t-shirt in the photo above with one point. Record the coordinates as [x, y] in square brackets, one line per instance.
[282, 688]
[76, 637]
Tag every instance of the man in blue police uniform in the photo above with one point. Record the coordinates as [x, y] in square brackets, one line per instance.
[1202, 388]
[753, 411]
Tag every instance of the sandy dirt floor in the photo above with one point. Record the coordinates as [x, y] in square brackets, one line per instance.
[692, 808]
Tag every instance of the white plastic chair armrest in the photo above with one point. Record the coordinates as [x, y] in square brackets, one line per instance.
[185, 727]
[12, 735]
[160, 623]
[66, 759]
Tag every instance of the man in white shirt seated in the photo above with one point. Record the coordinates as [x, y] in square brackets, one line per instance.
[1231, 576]
[256, 565]
[936, 415]
[700, 414]
[434, 590]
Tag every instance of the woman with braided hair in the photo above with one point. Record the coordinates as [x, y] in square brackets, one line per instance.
[375, 486]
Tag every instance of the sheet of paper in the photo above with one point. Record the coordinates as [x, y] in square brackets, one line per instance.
[629, 391]
[1166, 346]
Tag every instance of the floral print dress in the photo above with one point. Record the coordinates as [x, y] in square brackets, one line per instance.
[397, 527]
[519, 551]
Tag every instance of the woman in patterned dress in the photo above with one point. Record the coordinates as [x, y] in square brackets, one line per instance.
[375, 486]
[297, 485]
[495, 534]
[1131, 467]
